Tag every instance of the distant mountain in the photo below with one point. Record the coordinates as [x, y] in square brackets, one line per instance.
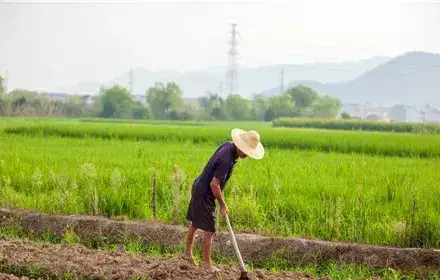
[412, 78]
[250, 80]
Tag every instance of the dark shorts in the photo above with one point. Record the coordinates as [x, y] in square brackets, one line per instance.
[201, 211]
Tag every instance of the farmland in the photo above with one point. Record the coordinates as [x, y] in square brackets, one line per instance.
[373, 188]
[382, 144]
[359, 125]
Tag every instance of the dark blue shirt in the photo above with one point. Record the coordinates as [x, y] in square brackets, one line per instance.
[220, 165]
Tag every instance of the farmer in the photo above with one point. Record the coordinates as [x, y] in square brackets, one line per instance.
[209, 185]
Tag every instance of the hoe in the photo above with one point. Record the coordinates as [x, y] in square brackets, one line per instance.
[244, 273]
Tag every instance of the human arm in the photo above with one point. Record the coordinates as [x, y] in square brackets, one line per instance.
[216, 190]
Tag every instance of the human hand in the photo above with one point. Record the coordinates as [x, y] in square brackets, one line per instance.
[224, 209]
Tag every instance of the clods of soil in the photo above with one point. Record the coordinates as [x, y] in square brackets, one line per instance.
[4, 276]
[56, 259]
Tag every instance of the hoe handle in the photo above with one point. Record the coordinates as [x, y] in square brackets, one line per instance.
[234, 242]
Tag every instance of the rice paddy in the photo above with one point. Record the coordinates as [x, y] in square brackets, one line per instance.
[374, 188]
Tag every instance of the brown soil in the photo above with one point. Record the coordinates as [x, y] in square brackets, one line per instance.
[12, 277]
[84, 262]
[252, 246]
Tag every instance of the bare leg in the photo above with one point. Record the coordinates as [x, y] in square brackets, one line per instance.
[207, 242]
[189, 243]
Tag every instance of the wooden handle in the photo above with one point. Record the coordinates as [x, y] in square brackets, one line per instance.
[234, 242]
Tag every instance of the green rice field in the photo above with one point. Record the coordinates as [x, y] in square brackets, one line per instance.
[369, 187]
[359, 125]
[372, 143]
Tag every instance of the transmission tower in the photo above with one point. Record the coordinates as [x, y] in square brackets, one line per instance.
[231, 72]
[282, 81]
[131, 81]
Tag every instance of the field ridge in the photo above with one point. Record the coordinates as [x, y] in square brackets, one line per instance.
[253, 247]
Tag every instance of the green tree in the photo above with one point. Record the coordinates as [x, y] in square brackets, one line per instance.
[326, 107]
[164, 98]
[116, 102]
[213, 106]
[39, 105]
[345, 115]
[2, 87]
[18, 93]
[140, 112]
[56, 108]
[74, 106]
[185, 113]
[189, 112]
[237, 107]
[22, 102]
[95, 109]
[280, 106]
[259, 106]
[303, 96]
[3, 102]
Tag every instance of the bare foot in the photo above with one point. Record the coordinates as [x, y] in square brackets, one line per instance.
[211, 268]
[189, 258]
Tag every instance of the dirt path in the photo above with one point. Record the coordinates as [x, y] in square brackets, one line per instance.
[252, 246]
[81, 261]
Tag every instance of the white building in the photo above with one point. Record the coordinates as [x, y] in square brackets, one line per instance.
[431, 114]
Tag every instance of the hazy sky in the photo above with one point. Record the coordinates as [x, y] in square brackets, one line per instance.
[49, 44]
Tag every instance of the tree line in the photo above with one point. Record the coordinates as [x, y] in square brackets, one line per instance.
[165, 101]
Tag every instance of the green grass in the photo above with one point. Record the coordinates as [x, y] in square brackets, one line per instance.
[383, 144]
[274, 264]
[353, 124]
[331, 196]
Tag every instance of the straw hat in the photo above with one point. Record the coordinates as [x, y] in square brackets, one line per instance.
[248, 142]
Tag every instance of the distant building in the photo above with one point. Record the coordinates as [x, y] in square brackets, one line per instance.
[413, 114]
[366, 111]
[404, 113]
[398, 113]
[430, 114]
[57, 96]
[373, 112]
